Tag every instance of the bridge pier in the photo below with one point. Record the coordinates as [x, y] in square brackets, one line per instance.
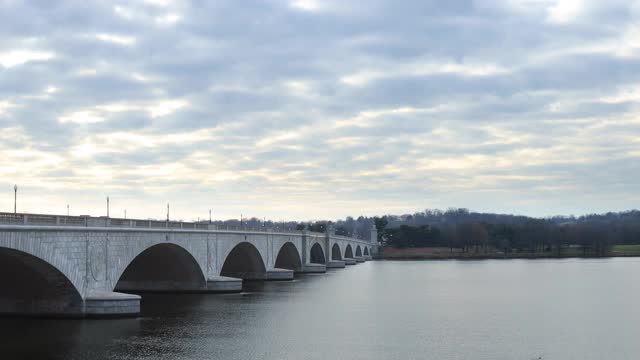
[359, 259]
[314, 269]
[224, 284]
[269, 275]
[349, 261]
[278, 275]
[336, 264]
[111, 304]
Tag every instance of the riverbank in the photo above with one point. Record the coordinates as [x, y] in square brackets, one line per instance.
[439, 253]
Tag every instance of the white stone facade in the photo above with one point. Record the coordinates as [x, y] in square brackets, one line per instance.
[93, 259]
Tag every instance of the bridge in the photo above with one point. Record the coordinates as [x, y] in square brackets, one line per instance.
[81, 266]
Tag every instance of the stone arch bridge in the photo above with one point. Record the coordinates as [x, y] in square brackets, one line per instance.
[85, 266]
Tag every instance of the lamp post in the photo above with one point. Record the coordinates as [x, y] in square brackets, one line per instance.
[67, 209]
[125, 213]
[209, 216]
[166, 224]
[15, 199]
[107, 207]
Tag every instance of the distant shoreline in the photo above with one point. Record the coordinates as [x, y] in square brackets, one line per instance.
[390, 253]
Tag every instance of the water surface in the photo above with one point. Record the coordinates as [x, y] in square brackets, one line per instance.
[492, 309]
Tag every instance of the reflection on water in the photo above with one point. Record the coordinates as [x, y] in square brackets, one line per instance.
[515, 309]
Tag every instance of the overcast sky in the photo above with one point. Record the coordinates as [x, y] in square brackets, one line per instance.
[319, 109]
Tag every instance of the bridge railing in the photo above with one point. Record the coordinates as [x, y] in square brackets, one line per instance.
[6, 218]
[103, 221]
[342, 237]
[89, 221]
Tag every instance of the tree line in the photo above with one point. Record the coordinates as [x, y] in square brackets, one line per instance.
[533, 236]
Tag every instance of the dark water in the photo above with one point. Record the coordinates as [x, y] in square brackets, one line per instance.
[516, 309]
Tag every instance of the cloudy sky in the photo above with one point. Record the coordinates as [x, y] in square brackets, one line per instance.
[310, 109]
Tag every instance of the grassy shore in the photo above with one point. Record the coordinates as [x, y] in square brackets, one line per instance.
[433, 253]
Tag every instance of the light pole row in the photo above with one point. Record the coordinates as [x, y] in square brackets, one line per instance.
[15, 209]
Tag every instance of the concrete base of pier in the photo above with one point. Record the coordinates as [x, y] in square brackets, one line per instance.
[279, 275]
[269, 275]
[336, 264]
[111, 304]
[224, 284]
[359, 259]
[313, 269]
[349, 261]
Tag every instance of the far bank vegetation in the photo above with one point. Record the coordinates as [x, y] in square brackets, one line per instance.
[462, 234]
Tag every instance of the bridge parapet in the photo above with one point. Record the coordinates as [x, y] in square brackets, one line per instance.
[90, 221]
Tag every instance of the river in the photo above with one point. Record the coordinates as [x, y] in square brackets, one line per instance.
[488, 309]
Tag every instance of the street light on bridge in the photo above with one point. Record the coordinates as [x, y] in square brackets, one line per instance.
[15, 198]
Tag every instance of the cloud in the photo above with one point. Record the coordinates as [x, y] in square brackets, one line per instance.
[81, 117]
[566, 10]
[116, 39]
[20, 57]
[321, 109]
[306, 5]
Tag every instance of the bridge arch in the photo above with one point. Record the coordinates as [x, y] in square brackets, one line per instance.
[336, 254]
[358, 251]
[348, 252]
[30, 285]
[366, 251]
[289, 257]
[162, 267]
[245, 262]
[317, 255]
